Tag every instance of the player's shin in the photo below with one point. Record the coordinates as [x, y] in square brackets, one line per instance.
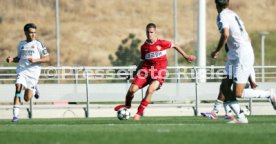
[218, 104]
[142, 107]
[237, 109]
[16, 107]
[129, 100]
[16, 110]
[227, 108]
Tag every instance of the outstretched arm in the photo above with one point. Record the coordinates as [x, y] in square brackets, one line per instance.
[189, 58]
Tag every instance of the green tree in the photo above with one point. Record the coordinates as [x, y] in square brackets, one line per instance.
[128, 52]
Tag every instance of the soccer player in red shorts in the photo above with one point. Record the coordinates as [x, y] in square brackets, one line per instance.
[152, 68]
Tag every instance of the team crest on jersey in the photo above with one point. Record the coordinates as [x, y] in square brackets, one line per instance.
[32, 46]
[158, 47]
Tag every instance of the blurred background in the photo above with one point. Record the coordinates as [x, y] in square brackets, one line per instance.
[95, 33]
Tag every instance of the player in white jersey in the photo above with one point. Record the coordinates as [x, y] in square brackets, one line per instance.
[30, 54]
[240, 60]
[221, 98]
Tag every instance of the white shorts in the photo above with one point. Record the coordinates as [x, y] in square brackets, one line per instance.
[238, 71]
[27, 81]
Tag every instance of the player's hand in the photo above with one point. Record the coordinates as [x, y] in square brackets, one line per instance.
[9, 59]
[190, 58]
[253, 85]
[31, 60]
[214, 54]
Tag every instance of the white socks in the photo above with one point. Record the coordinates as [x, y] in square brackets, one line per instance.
[250, 93]
[227, 108]
[237, 109]
[16, 109]
[218, 104]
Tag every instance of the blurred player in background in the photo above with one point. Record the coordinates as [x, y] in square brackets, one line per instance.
[30, 54]
[240, 60]
[152, 68]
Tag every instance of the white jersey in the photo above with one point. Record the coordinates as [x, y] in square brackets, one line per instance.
[238, 42]
[25, 50]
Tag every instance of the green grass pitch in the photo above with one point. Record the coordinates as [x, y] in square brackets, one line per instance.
[149, 130]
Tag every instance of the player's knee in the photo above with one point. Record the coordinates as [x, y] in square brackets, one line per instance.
[238, 95]
[132, 90]
[221, 97]
[27, 98]
[238, 91]
[151, 90]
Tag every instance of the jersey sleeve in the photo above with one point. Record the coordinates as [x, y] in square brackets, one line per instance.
[222, 22]
[18, 50]
[166, 44]
[42, 49]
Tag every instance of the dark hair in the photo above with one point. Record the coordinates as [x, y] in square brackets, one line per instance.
[151, 25]
[29, 25]
[222, 3]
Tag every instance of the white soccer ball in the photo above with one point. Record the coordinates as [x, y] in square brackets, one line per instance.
[123, 114]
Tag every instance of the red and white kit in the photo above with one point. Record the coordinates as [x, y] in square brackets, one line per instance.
[155, 63]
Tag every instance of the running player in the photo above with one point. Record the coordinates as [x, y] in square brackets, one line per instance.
[30, 54]
[152, 68]
[240, 60]
[221, 99]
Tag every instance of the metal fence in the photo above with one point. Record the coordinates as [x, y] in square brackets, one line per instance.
[106, 75]
[69, 74]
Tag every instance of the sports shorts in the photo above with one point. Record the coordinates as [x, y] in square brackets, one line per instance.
[146, 76]
[238, 71]
[27, 81]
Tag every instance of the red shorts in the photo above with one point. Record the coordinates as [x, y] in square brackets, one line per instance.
[146, 76]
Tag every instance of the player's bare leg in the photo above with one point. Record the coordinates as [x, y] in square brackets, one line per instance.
[238, 89]
[28, 95]
[144, 103]
[129, 96]
[17, 102]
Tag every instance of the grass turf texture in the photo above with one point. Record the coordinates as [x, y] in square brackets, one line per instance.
[152, 130]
